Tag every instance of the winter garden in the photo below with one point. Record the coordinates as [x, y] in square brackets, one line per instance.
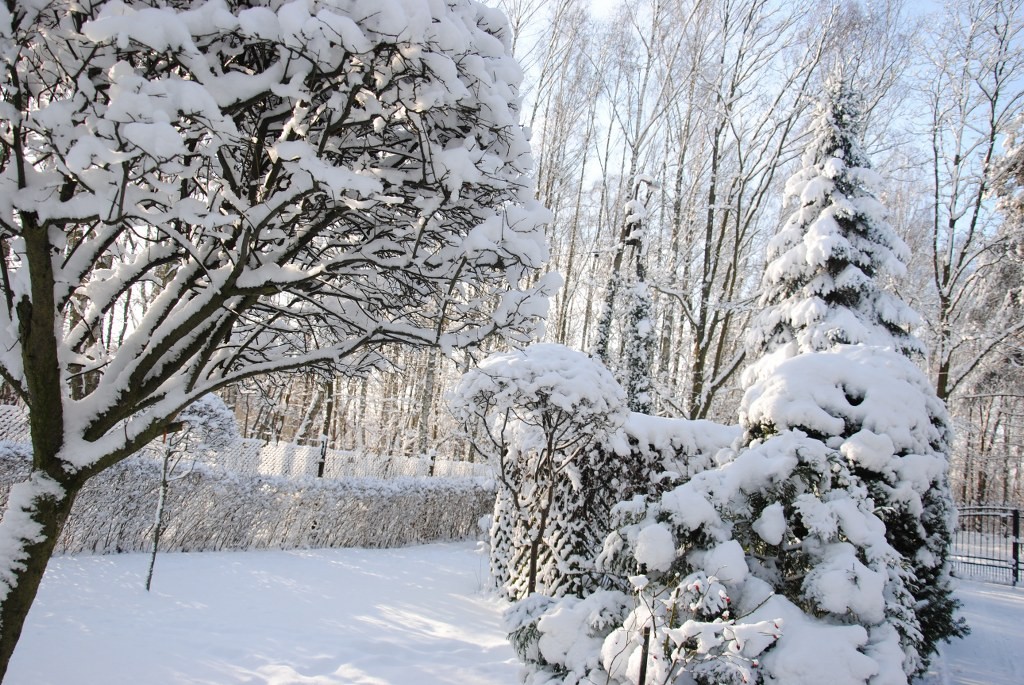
[727, 375]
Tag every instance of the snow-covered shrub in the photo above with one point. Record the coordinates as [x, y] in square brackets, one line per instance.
[205, 426]
[784, 517]
[211, 424]
[664, 450]
[687, 629]
[535, 414]
[878, 410]
[560, 638]
[646, 455]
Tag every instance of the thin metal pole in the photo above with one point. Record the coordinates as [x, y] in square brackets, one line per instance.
[1016, 546]
[643, 656]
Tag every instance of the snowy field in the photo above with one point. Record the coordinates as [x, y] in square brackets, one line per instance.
[412, 616]
[991, 654]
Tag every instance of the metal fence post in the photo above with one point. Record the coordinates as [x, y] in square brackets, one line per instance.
[1016, 547]
[643, 656]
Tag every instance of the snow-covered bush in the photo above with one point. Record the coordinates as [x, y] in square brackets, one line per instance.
[785, 518]
[535, 414]
[212, 509]
[561, 638]
[210, 424]
[204, 426]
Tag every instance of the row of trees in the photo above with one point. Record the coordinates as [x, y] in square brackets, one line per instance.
[663, 134]
[706, 100]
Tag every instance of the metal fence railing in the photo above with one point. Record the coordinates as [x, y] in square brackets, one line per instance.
[987, 544]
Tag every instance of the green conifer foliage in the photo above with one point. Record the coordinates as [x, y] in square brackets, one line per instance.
[824, 289]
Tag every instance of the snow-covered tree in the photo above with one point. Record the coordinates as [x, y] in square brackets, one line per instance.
[1008, 175]
[629, 274]
[874, 415]
[824, 282]
[204, 191]
[971, 83]
[991, 441]
[535, 414]
[638, 343]
[828, 324]
[779, 564]
[815, 551]
[206, 425]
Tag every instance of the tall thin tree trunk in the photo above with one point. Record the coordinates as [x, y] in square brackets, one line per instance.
[321, 464]
[427, 401]
[158, 523]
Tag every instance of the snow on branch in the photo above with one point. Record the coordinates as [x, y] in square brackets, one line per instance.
[219, 190]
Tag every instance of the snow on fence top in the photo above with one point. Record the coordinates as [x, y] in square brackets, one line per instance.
[253, 457]
[289, 460]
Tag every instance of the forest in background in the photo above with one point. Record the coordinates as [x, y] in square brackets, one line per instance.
[257, 201]
[663, 132]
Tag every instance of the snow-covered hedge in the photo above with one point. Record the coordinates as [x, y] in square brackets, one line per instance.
[677, 448]
[211, 509]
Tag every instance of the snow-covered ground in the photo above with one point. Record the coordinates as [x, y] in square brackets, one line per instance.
[991, 654]
[412, 616]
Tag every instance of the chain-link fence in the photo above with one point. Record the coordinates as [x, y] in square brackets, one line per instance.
[289, 460]
[13, 424]
[254, 457]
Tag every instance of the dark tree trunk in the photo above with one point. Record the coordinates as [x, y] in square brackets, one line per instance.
[50, 513]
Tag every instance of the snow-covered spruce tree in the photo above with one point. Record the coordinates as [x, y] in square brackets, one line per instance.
[639, 346]
[825, 277]
[775, 566]
[535, 413]
[824, 292]
[634, 365]
[772, 566]
[200, 192]
[885, 434]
